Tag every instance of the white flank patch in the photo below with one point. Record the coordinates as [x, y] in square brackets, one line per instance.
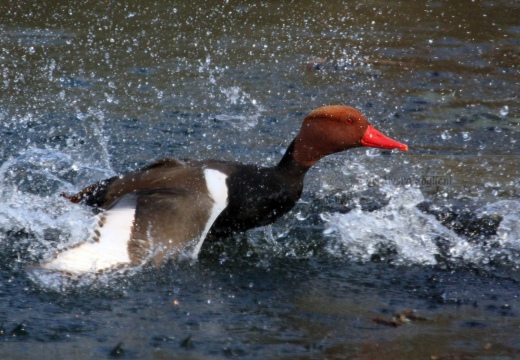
[218, 190]
[112, 248]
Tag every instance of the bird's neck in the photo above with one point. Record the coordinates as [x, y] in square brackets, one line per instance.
[289, 164]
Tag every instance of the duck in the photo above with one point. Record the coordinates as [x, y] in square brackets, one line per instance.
[167, 209]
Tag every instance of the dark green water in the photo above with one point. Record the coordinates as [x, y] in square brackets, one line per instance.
[100, 87]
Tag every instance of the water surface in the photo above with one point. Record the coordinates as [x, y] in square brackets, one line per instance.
[98, 88]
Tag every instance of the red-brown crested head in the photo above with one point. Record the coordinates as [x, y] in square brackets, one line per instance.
[331, 129]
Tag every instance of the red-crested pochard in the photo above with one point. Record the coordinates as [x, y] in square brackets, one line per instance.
[170, 206]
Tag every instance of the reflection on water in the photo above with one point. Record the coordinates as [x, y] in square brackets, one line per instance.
[98, 88]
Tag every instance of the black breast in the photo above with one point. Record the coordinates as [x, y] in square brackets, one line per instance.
[256, 197]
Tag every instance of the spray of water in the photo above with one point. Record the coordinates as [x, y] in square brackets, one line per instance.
[403, 233]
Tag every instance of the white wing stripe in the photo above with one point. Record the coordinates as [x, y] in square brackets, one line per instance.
[218, 190]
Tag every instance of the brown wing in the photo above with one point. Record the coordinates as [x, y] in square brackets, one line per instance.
[96, 194]
[150, 221]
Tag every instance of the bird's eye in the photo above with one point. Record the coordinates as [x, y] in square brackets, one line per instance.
[349, 121]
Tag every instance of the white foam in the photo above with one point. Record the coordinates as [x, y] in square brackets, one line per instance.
[508, 232]
[399, 224]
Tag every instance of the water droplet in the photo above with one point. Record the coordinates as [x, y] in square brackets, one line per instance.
[329, 230]
[504, 111]
[466, 136]
[372, 152]
[445, 135]
[300, 216]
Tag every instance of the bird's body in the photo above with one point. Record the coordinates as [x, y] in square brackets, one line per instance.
[170, 206]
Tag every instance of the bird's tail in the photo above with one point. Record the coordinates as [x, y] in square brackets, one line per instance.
[92, 195]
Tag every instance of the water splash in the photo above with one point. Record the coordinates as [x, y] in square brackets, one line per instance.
[242, 110]
[401, 232]
[239, 99]
[508, 233]
[398, 228]
[35, 221]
